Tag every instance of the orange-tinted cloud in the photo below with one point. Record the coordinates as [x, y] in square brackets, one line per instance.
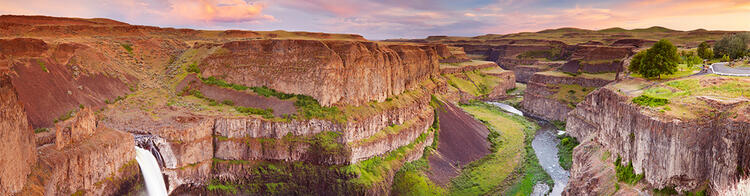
[219, 10]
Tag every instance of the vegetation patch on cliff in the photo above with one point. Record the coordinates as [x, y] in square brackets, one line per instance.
[512, 168]
[477, 82]
[571, 94]
[626, 173]
[565, 151]
[645, 100]
[375, 169]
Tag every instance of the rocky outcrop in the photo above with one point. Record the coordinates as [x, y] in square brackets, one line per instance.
[590, 175]
[670, 152]
[343, 72]
[294, 178]
[16, 139]
[524, 72]
[539, 99]
[102, 164]
[76, 129]
[457, 69]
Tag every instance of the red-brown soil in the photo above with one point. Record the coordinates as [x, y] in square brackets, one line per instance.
[280, 107]
[462, 140]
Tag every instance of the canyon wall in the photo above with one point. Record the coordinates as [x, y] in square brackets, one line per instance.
[683, 154]
[85, 159]
[540, 97]
[16, 140]
[343, 72]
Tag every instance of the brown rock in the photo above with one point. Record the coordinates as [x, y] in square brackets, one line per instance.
[16, 140]
[76, 129]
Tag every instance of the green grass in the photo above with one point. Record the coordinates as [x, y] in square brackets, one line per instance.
[625, 173]
[683, 70]
[193, 68]
[511, 155]
[411, 178]
[41, 130]
[373, 170]
[645, 100]
[65, 116]
[266, 113]
[571, 94]
[128, 48]
[222, 186]
[565, 151]
[477, 82]
[42, 65]
[307, 106]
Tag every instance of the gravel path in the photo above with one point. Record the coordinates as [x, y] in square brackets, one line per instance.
[723, 69]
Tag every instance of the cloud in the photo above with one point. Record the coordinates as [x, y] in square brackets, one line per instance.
[381, 19]
[219, 10]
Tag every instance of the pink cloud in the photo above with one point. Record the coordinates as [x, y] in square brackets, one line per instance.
[219, 10]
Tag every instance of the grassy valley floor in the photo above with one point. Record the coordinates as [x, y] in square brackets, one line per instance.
[511, 169]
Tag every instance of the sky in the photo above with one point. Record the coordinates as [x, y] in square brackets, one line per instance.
[385, 19]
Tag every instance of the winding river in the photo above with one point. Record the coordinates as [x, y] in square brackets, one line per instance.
[545, 146]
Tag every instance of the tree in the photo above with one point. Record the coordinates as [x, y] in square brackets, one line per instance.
[705, 51]
[734, 46]
[659, 59]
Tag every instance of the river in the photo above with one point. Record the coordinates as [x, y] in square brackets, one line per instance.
[545, 146]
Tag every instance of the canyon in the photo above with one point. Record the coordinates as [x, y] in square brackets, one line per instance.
[102, 107]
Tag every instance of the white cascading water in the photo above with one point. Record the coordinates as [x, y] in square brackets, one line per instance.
[151, 172]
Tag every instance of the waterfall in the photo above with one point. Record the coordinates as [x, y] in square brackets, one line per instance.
[151, 172]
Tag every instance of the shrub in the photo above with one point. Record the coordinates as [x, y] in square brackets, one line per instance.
[565, 151]
[266, 113]
[128, 48]
[196, 93]
[218, 82]
[626, 173]
[645, 100]
[227, 102]
[40, 130]
[41, 64]
[193, 68]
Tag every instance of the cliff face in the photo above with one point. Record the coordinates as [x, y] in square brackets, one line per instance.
[683, 154]
[343, 72]
[16, 140]
[542, 97]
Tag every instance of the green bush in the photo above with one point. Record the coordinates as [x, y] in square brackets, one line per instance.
[218, 82]
[565, 151]
[645, 100]
[266, 113]
[41, 64]
[128, 48]
[40, 130]
[193, 67]
[227, 102]
[268, 92]
[626, 173]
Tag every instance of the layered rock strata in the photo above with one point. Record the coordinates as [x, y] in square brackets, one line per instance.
[539, 97]
[345, 72]
[95, 166]
[16, 139]
[683, 154]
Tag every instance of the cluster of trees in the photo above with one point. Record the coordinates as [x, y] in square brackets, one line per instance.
[732, 46]
[661, 58]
